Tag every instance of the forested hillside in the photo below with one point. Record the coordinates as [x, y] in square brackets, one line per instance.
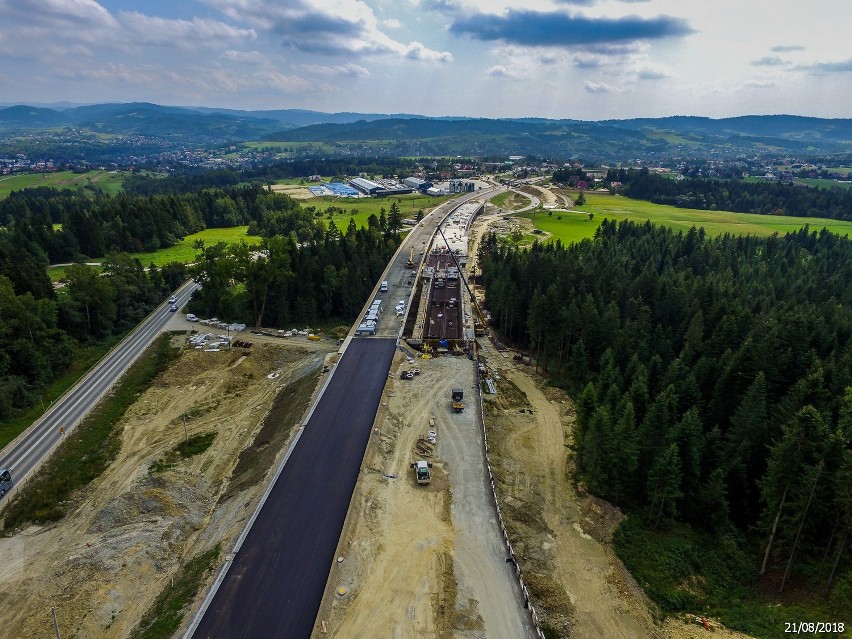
[302, 273]
[713, 382]
[41, 329]
[294, 278]
[95, 226]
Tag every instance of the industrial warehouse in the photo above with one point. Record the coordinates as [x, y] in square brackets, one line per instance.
[363, 187]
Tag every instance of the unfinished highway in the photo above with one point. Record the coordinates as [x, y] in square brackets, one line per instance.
[273, 583]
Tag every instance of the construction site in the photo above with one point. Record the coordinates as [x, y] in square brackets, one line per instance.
[443, 318]
[465, 517]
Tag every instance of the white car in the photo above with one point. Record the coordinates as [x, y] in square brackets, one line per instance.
[172, 299]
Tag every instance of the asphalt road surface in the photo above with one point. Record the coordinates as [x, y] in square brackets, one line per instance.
[24, 454]
[275, 584]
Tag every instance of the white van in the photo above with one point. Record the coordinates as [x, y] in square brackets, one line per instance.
[191, 318]
[384, 287]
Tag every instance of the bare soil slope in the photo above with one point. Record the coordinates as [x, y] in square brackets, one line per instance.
[560, 535]
[129, 531]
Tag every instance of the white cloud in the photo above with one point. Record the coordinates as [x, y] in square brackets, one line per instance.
[198, 32]
[281, 81]
[391, 23]
[499, 71]
[649, 71]
[325, 27]
[57, 12]
[338, 70]
[248, 57]
[600, 87]
[416, 51]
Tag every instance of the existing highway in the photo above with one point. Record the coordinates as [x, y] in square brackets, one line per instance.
[24, 454]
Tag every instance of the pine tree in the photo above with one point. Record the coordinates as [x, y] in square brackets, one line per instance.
[663, 486]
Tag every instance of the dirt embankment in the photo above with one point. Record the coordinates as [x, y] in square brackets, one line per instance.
[561, 536]
[129, 531]
[545, 196]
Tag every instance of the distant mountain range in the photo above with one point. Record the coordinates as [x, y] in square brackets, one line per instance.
[407, 134]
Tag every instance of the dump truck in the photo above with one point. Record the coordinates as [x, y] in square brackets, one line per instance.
[421, 471]
[456, 400]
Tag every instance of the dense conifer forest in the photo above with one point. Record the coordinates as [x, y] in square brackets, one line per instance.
[303, 272]
[293, 279]
[713, 384]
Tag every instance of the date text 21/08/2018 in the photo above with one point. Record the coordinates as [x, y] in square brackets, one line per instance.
[811, 627]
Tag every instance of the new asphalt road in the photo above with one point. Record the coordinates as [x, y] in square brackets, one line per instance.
[24, 454]
[275, 583]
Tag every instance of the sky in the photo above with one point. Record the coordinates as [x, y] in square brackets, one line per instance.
[579, 59]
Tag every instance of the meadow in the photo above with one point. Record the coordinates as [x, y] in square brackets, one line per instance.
[575, 225]
[105, 181]
[182, 251]
[360, 209]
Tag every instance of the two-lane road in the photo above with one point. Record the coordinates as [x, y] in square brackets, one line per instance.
[25, 453]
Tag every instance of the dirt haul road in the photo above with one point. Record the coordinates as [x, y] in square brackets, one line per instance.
[423, 561]
[561, 536]
[129, 531]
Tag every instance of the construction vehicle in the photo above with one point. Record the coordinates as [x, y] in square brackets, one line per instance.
[456, 400]
[5, 481]
[421, 471]
[410, 262]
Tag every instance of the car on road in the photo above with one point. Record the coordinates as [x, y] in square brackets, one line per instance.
[5, 481]
[172, 299]
[172, 308]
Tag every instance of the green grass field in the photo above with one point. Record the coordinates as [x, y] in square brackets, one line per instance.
[180, 252]
[291, 147]
[826, 184]
[104, 181]
[360, 209]
[575, 226]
